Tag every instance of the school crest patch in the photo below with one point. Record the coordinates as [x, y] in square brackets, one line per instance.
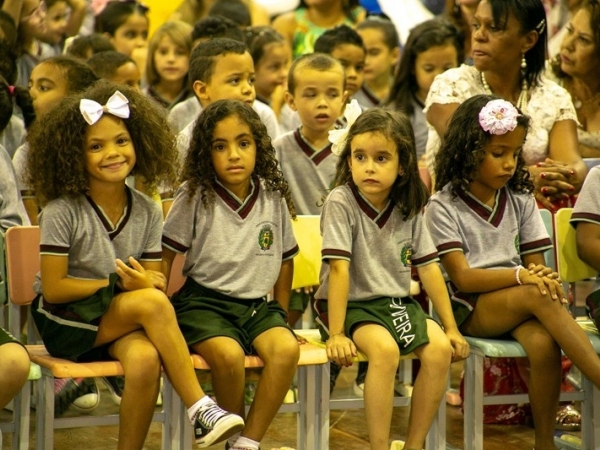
[517, 243]
[265, 237]
[405, 255]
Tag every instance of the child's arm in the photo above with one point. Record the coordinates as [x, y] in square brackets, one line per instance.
[588, 243]
[433, 282]
[467, 279]
[340, 347]
[283, 285]
[76, 17]
[58, 288]
[168, 256]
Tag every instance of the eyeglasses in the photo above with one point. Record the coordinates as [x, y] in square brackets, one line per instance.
[40, 11]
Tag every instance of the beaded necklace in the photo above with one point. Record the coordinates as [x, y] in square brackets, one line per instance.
[521, 101]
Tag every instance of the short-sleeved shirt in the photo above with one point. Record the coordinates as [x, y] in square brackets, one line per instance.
[549, 103]
[12, 211]
[78, 228]
[309, 172]
[490, 238]
[380, 245]
[587, 208]
[233, 247]
[366, 98]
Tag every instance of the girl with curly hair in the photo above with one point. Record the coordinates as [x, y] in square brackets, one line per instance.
[373, 233]
[100, 290]
[486, 226]
[231, 218]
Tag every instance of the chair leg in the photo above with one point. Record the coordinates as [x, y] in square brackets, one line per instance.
[45, 413]
[306, 417]
[322, 425]
[21, 414]
[473, 403]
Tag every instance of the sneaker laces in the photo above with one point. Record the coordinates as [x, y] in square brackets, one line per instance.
[210, 415]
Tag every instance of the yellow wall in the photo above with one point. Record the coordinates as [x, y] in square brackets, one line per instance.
[160, 10]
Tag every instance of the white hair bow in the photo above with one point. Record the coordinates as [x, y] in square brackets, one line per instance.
[117, 105]
[338, 137]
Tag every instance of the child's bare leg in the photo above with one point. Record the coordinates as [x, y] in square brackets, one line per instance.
[544, 380]
[384, 356]
[226, 359]
[141, 364]
[499, 312]
[279, 350]
[151, 310]
[14, 370]
[430, 385]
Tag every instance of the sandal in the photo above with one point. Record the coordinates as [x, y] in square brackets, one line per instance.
[568, 418]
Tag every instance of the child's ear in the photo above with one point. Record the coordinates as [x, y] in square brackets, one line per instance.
[400, 171]
[201, 90]
[396, 52]
[289, 99]
[345, 96]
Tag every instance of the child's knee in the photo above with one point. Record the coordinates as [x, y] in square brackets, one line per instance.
[16, 361]
[437, 352]
[385, 354]
[229, 357]
[143, 363]
[284, 352]
[154, 303]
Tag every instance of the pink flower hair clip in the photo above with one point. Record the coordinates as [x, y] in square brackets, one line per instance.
[498, 117]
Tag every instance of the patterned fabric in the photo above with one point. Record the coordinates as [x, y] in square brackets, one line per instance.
[307, 33]
[549, 103]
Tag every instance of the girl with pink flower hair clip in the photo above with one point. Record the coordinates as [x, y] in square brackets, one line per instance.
[491, 240]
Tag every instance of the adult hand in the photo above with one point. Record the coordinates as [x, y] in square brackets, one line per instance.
[552, 180]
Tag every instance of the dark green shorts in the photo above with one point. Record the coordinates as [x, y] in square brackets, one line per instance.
[402, 317]
[69, 329]
[299, 301]
[203, 313]
[7, 338]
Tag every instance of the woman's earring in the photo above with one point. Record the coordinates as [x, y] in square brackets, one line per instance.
[523, 63]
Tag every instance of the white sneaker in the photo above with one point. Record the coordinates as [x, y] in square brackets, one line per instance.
[214, 424]
[359, 389]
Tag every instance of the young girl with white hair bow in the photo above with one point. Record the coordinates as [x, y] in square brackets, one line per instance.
[100, 290]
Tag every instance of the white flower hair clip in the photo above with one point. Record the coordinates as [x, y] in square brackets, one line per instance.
[498, 117]
[338, 137]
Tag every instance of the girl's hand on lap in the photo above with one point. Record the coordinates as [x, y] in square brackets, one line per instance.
[547, 283]
[159, 281]
[341, 350]
[134, 277]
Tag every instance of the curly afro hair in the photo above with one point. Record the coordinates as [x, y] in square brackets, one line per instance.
[198, 169]
[463, 149]
[56, 159]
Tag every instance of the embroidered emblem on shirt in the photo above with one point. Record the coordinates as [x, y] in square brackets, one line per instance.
[405, 255]
[265, 237]
[517, 244]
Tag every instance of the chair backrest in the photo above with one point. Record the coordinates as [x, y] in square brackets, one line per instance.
[570, 267]
[307, 263]
[22, 262]
[548, 220]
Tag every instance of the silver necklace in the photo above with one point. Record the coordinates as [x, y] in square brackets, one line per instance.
[521, 101]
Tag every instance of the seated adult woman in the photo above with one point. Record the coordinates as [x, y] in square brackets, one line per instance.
[576, 68]
[508, 48]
